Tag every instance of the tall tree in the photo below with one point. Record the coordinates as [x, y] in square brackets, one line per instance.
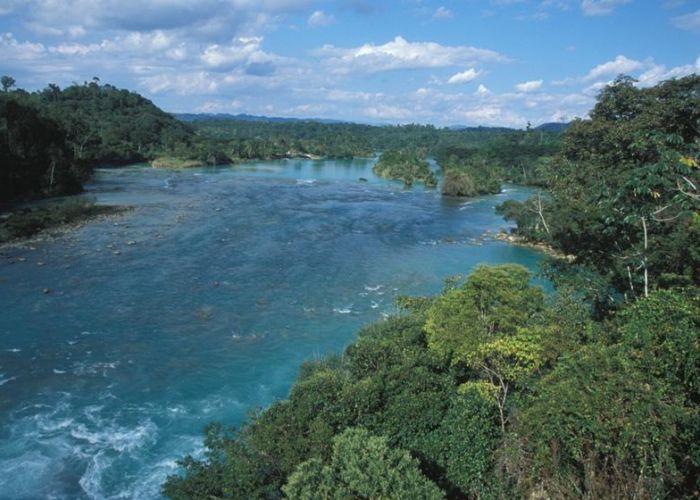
[7, 83]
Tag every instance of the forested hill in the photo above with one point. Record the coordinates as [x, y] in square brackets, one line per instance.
[105, 124]
[51, 139]
[553, 127]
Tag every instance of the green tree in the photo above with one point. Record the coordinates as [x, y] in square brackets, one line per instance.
[494, 301]
[7, 83]
[231, 469]
[599, 427]
[362, 466]
[487, 324]
[405, 165]
[628, 175]
[465, 446]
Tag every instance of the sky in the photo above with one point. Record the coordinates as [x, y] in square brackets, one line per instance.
[444, 62]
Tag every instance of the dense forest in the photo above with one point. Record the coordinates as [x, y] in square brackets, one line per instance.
[496, 389]
[624, 192]
[51, 140]
[482, 156]
[250, 140]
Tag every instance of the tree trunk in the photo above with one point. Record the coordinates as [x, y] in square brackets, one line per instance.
[53, 169]
[629, 277]
[540, 212]
[644, 258]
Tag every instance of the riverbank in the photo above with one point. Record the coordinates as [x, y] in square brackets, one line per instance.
[518, 240]
[39, 223]
[173, 162]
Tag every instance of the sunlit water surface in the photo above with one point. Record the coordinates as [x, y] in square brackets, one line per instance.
[200, 304]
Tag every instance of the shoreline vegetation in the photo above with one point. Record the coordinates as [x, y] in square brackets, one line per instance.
[39, 222]
[176, 163]
[494, 389]
[408, 166]
[520, 241]
[470, 175]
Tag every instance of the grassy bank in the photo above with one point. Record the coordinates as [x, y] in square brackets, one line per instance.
[28, 221]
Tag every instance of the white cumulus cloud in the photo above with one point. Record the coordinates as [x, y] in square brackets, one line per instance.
[241, 52]
[688, 21]
[388, 112]
[464, 77]
[11, 48]
[219, 106]
[399, 53]
[658, 73]
[482, 90]
[530, 86]
[199, 82]
[620, 64]
[319, 18]
[494, 116]
[442, 12]
[352, 96]
[601, 7]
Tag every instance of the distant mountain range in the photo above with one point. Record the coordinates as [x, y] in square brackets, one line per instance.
[547, 127]
[553, 126]
[480, 127]
[194, 117]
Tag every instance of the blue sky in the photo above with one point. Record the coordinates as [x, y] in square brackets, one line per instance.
[469, 62]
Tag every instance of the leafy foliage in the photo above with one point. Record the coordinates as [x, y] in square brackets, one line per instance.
[35, 158]
[51, 139]
[407, 165]
[624, 191]
[621, 420]
[522, 157]
[363, 466]
[490, 389]
[28, 221]
[597, 425]
[494, 302]
[67, 131]
[108, 125]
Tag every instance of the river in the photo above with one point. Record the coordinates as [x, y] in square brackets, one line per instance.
[200, 304]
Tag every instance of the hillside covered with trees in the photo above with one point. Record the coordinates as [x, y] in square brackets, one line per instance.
[51, 139]
[495, 389]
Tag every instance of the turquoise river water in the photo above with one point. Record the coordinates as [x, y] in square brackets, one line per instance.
[200, 304]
